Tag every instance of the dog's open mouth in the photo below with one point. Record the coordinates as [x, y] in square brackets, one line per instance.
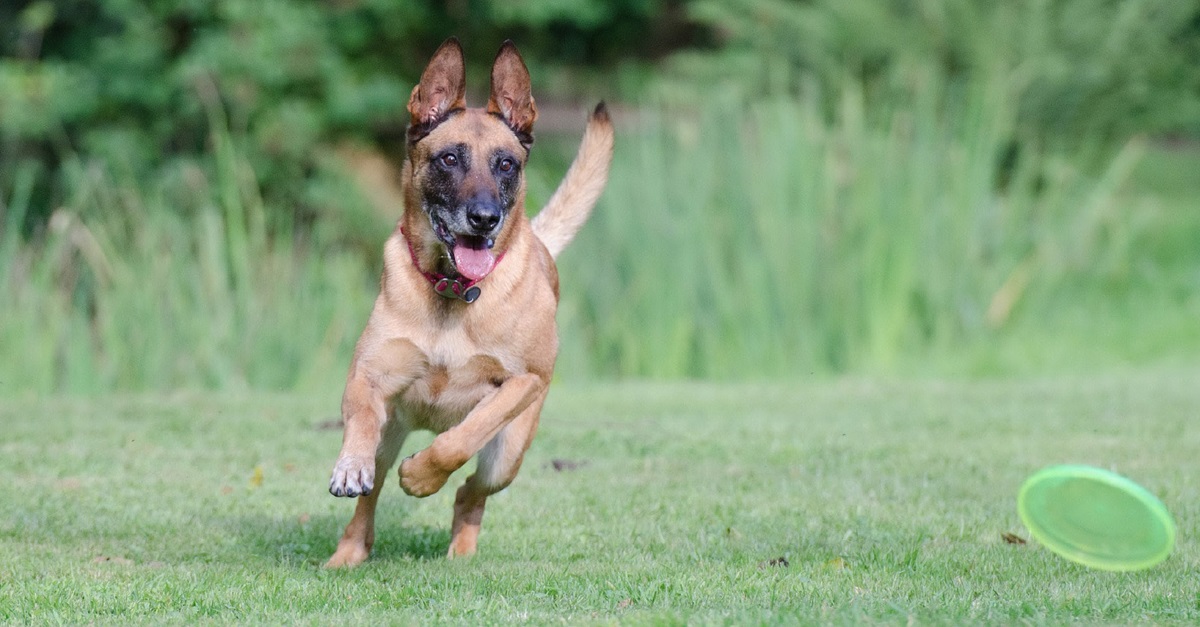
[472, 255]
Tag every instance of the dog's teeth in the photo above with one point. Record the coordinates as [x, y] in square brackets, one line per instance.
[491, 242]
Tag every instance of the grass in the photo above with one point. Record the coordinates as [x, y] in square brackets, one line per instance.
[760, 239]
[887, 499]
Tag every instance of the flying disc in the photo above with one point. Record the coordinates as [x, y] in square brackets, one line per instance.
[1096, 517]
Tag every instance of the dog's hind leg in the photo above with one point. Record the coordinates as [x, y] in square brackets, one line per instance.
[356, 542]
[498, 464]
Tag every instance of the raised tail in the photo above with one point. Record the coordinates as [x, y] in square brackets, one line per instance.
[571, 204]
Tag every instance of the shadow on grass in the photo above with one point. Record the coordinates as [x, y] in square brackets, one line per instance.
[312, 540]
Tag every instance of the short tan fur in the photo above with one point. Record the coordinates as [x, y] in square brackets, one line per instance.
[476, 373]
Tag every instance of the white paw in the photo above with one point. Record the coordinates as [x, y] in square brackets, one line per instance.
[352, 476]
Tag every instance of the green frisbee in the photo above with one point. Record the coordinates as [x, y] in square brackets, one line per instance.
[1096, 517]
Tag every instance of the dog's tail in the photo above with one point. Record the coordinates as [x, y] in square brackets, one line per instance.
[571, 204]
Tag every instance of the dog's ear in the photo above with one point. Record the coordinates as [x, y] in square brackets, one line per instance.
[442, 88]
[512, 97]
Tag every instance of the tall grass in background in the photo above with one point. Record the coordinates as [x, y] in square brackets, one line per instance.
[768, 238]
[123, 292]
[738, 238]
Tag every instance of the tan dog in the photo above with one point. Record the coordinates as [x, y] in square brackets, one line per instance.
[462, 339]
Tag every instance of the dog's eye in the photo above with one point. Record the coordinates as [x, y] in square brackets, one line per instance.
[506, 165]
[449, 160]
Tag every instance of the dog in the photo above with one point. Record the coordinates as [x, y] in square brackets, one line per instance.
[462, 338]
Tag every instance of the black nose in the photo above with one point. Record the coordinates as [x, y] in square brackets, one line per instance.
[483, 217]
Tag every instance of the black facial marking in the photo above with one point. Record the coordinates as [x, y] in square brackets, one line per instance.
[440, 189]
[507, 182]
[454, 157]
[468, 194]
[505, 165]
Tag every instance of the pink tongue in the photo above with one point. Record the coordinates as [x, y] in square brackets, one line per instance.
[473, 263]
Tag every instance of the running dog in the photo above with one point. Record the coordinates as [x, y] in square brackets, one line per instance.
[462, 339]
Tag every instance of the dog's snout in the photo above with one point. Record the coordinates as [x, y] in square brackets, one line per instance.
[483, 217]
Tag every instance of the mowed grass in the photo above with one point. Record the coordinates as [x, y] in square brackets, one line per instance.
[886, 499]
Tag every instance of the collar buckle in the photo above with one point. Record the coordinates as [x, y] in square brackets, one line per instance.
[455, 289]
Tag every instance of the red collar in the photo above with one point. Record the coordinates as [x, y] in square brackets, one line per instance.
[457, 287]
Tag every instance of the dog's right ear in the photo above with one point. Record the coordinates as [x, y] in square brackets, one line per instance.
[442, 88]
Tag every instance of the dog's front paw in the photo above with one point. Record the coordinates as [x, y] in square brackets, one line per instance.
[419, 477]
[352, 476]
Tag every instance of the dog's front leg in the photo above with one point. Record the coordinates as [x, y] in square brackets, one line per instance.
[379, 371]
[369, 444]
[426, 471]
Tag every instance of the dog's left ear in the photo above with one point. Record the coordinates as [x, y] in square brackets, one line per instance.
[512, 96]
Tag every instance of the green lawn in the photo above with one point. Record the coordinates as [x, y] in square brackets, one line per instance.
[887, 500]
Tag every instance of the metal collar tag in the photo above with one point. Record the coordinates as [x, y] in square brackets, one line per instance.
[452, 288]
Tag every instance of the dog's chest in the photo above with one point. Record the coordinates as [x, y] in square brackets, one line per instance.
[458, 374]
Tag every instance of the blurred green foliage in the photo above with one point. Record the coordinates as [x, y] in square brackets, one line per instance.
[809, 186]
[1112, 68]
[135, 86]
[1086, 67]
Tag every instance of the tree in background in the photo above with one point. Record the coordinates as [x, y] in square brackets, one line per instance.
[1093, 68]
[140, 87]
[183, 182]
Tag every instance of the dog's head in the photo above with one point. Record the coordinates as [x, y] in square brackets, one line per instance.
[467, 165]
